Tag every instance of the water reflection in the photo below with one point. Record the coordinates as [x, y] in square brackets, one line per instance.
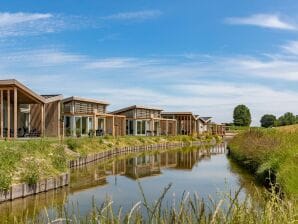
[141, 165]
[203, 170]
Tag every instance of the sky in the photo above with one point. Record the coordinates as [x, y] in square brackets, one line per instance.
[192, 55]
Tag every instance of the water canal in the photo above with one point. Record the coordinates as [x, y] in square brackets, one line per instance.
[205, 171]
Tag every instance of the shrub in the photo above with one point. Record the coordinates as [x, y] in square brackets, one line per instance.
[268, 120]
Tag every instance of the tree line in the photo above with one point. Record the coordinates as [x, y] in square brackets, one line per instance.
[242, 117]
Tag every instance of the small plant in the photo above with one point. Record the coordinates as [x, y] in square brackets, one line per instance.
[73, 144]
[30, 173]
[5, 180]
[59, 159]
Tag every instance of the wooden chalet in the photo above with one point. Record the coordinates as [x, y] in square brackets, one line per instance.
[24, 113]
[186, 122]
[205, 124]
[84, 117]
[217, 129]
[147, 121]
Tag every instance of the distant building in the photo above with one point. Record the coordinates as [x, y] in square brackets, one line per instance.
[186, 122]
[148, 121]
[204, 124]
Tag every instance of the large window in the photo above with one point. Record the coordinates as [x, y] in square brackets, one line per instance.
[67, 124]
[141, 127]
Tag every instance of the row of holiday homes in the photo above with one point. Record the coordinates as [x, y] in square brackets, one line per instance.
[24, 113]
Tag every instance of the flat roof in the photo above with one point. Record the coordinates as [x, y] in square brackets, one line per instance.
[177, 113]
[135, 107]
[76, 98]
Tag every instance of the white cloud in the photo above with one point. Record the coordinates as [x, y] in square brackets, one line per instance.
[40, 58]
[137, 15]
[291, 47]
[9, 19]
[20, 24]
[209, 85]
[272, 21]
[118, 63]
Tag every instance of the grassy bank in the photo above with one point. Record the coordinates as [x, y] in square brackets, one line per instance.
[29, 161]
[271, 154]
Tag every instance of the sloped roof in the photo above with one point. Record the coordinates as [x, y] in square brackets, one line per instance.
[205, 119]
[15, 83]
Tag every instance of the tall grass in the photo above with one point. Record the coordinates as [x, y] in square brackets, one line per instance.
[29, 161]
[188, 209]
[271, 154]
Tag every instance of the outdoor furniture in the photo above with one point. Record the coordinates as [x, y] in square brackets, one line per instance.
[99, 132]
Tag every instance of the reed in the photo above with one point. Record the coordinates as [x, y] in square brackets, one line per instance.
[188, 209]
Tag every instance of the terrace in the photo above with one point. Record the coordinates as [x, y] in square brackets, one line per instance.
[23, 113]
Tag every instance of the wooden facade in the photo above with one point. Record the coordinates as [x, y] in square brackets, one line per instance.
[217, 129]
[186, 122]
[23, 113]
[205, 125]
[87, 116]
[147, 121]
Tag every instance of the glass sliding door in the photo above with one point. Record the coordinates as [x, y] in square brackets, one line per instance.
[78, 127]
[141, 127]
[67, 126]
[84, 125]
[90, 124]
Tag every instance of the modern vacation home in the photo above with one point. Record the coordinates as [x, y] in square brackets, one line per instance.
[186, 122]
[83, 117]
[204, 124]
[148, 121]
[24, 113]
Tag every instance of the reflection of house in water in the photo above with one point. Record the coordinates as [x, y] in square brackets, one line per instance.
[143, 166]
[140, 166]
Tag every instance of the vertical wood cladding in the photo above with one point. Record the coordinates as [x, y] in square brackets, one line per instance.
[52, 118]
[35, 112]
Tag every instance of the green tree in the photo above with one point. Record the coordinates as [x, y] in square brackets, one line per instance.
[287, 119]
[242, 116]
[268, 120]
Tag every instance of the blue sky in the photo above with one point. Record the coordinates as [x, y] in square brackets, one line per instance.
[201, 56]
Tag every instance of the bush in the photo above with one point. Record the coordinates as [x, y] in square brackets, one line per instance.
[268, 120]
